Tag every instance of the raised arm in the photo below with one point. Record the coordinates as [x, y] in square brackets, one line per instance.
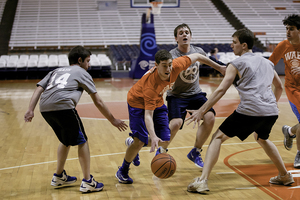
[34, 99]
[205, 60]
[197, 115]
[107, 114]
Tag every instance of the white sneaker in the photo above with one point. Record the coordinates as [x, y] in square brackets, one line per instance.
[91, 185]
[198, 186]
[282, 180]
[63, 179]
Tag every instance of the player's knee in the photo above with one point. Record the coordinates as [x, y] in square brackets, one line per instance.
[138, 144]
[209, 118]
[219, 135]
[176, 123]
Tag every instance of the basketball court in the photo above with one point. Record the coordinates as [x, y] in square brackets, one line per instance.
[28, 152]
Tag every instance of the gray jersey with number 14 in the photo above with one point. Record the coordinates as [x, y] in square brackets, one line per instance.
[63, 88]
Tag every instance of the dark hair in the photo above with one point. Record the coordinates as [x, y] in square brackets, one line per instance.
[78, 52]
[162, 55]
[245, 36]
[179, 27]
[212, 51]
[292, 20]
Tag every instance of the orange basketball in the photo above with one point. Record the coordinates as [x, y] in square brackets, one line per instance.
[163, 165]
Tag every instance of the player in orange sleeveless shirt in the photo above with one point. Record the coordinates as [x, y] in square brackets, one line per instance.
[148, 115]
[289, 50]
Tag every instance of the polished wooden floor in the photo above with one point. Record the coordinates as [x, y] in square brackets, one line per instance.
[28, 152]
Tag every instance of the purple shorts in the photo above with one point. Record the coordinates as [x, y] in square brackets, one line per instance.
[138, 126]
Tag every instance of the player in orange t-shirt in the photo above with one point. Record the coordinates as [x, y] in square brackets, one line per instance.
[148, 115]
[289, 50]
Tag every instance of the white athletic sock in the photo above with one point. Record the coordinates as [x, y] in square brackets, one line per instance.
[162, 150]
[290, 131]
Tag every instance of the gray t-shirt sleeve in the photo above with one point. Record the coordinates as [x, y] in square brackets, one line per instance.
[86, 82]
[44, 82]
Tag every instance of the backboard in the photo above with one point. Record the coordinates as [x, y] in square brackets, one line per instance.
[146, 3]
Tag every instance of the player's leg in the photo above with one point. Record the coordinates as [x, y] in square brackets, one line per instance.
[297, 157]
[140, 136]
[213, 152]
[203, 133]
[199, 184]
[176, 114]
[128, 142]
[292, 132]
[59, 124]
[175, 125]
[84, 159]
[203, 130]
[88, 183]
[284, 177]
[131, 153]
[261, 135]
[161, 128]
[133, 149]
[62, 154]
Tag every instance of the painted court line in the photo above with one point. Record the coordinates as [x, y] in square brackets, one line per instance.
[246, 188]
[111, 154]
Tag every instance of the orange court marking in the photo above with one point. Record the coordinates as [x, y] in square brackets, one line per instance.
[259, 175]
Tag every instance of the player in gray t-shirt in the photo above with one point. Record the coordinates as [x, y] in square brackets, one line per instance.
[187, 94]
[252, 75]
[59, 93]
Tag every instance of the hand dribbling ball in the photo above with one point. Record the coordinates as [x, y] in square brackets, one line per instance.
[163, 165]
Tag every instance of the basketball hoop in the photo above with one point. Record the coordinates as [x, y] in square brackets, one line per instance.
[156, 6]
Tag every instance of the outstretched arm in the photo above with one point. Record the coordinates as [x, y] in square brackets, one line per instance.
[34, 99]
[205, 60]
[197, 115]
[150, 127]
[107, 114]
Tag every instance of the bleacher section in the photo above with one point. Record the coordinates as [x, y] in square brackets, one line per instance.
[2, 5]
[37, 66]
[264, 16]
[62, 24]
[75, 22]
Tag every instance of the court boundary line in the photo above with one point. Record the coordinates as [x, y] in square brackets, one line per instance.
[248, 178]
[111, 154]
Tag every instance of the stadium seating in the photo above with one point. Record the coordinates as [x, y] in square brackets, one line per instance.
[52, 22]
[262, 16]
[2, 4]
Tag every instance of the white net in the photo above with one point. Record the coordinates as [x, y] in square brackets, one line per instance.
[156, 6]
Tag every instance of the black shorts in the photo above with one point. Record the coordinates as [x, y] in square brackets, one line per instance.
[243, 125]
[67, 126]
[177, 106]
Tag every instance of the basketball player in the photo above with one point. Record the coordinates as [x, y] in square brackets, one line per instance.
[252, 75]
[187, 94]
[289, 51]
[148, 115]
[60, 92]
